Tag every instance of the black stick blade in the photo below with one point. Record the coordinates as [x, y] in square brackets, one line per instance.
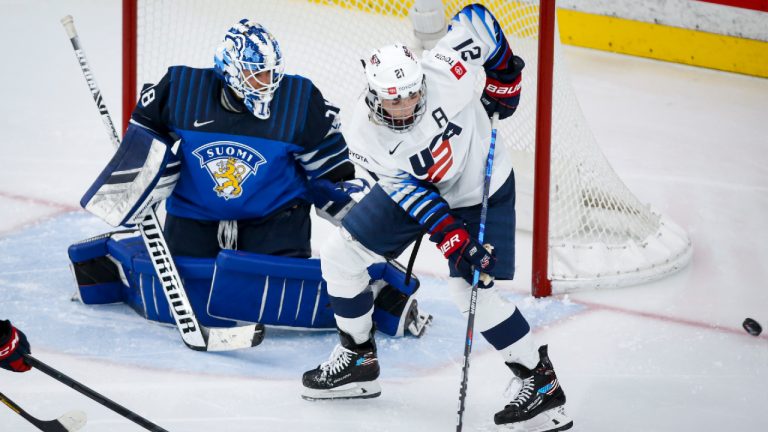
[69, 422]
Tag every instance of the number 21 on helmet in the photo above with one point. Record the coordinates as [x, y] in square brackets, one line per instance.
[397, 91]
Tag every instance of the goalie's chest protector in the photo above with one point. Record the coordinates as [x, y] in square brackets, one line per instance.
[234, 165]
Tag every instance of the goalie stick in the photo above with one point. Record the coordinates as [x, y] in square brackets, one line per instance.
[476, 274]
[114, 406]
[68, 422]
[194, 335]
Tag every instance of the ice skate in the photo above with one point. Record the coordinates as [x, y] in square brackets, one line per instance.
[539, 405]
[350, 373]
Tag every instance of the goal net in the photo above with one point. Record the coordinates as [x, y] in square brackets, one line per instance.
[600, 234]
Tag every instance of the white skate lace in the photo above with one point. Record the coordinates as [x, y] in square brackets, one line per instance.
[525, 392]
[513, 387]
[339, 359]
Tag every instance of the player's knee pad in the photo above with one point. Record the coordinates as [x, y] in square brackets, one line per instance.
[490, 310]
[344, 263]
[142, 172]
[499, 321]
[383, 289]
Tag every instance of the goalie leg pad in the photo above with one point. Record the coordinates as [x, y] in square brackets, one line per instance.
[285, 291]
[396, 310]
[115, 267]
[238, 286]
[142, 172]
[97, 277]
[270, 290]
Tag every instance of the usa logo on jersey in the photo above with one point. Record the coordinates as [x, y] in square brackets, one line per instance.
[229, 164]
[434, 162]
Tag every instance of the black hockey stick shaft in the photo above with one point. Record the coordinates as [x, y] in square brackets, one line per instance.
[43, 425]
[476, 275]
[103, 400]
[193, 334]
[412, 259]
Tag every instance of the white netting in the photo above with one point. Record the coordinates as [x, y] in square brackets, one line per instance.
[600, 234]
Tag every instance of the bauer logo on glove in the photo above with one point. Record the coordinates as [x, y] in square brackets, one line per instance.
[501, 93]
[447, 247]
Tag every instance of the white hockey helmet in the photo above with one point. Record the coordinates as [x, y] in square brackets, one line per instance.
[397, 91]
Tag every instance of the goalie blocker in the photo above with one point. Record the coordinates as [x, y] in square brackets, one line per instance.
[142, 173]
[236, 287]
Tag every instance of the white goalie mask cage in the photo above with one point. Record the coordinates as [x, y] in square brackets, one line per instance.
[394, 74]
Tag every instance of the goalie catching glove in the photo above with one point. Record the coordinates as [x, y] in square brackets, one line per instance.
[464, 252]
[502, 88]
[334, 200]
[12, 344]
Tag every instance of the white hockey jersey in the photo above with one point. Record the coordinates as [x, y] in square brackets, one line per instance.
[448, 148]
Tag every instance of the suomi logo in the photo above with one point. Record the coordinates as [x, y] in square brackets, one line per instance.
[229, 164]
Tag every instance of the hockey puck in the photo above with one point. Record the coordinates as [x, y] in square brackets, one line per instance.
[752, 327]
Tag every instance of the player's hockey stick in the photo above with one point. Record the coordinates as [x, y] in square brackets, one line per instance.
[476, 275]
[193, 334]
[68, 422]
[114, 406]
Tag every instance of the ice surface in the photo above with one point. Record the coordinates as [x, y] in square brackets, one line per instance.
[665, 356]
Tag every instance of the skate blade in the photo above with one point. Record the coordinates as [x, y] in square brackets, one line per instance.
[549, 421]
[418, 326]
[359, 390]
[73, 420]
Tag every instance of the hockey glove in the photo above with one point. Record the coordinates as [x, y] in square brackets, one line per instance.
[334, 200]
[502, 89]
[465, 253]
[12, 344]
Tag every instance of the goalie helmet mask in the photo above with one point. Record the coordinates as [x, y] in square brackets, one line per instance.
[249, 60]
[397, 91]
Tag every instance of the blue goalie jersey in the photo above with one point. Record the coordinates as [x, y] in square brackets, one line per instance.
[234, 165]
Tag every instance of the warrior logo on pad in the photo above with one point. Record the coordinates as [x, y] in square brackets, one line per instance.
[229, 165]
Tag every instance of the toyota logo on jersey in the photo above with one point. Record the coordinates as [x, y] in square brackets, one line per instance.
[432, 163]
[229, 164]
